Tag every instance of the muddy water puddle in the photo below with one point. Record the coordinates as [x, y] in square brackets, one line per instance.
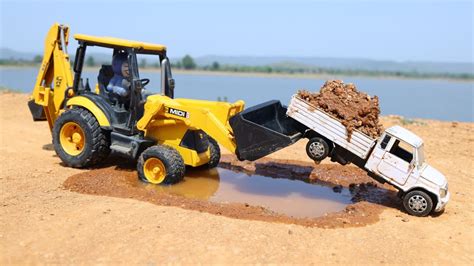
[284, 196]
[266, 190]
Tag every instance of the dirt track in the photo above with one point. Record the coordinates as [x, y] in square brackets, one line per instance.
[40, 222]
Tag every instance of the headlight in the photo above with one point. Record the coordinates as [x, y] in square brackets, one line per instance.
[443, 191]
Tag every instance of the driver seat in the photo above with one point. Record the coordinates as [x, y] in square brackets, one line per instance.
[105, 75]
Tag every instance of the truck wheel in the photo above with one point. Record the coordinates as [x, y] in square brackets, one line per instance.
[317, 149]
[418, 203]
[78, 139]
[161, 164]
[215, 153]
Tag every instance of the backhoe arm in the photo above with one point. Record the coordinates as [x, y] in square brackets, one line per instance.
[55, 75]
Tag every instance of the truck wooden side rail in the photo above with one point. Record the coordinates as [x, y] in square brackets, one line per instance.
[328, 126]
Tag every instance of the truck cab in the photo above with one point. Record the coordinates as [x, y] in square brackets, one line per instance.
[398, 158]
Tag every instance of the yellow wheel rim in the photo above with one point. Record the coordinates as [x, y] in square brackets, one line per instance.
[72, 138]
[154, 170]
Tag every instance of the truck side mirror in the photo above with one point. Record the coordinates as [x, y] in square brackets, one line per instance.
[385, 141]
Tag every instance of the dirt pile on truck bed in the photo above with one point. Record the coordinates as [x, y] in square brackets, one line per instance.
[355, 109]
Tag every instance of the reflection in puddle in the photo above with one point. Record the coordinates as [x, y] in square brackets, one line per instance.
[291, 197]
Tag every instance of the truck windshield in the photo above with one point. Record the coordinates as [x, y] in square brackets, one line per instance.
[421, 155]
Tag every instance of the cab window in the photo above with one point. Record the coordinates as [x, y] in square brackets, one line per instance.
[402, 150]
[150, 68]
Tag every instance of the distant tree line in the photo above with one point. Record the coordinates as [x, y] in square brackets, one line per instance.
[188, 63]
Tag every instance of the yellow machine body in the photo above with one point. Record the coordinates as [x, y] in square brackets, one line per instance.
[165, 120]
[162, 133]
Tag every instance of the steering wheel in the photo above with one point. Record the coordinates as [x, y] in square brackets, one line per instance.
[144, 82]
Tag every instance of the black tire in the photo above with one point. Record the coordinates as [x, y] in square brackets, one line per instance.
[96, 140]
[418, 203]
[169, 157]
[215, 151]
[317, 149]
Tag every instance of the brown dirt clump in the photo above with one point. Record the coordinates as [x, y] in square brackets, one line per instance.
[356, 110]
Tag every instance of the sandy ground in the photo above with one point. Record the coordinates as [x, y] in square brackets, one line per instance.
[40, 222]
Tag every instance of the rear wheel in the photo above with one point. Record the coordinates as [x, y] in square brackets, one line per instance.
[418, 203]
[78, 139]
[161, 165]
[317, 149]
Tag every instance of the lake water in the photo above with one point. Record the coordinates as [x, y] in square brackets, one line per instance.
[431, 99]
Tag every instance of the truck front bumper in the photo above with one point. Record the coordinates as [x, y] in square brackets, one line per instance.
[442, 202]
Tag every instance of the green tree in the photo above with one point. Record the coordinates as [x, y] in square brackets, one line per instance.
[188, 62]
[215, 66]
[90, 61]
[38, 59]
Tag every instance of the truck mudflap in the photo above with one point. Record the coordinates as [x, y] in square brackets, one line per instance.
[263, 129]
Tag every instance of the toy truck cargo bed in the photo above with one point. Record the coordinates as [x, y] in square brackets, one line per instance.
[263, 129]
[326, 125]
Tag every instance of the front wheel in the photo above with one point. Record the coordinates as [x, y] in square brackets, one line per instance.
[215, 153]
[317, 149]
[161, 164]
[418, 203]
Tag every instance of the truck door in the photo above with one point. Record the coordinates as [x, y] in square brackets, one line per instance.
[397, 161]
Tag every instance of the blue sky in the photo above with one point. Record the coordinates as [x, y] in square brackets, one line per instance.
[384, 30]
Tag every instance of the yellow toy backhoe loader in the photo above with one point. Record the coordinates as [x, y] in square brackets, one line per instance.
[164, 134]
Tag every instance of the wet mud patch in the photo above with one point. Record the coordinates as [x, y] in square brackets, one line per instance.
[333, 196]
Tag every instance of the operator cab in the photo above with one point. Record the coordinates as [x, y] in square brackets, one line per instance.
[124, 111]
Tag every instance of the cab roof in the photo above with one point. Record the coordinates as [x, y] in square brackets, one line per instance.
[112, 42]
[405, 135]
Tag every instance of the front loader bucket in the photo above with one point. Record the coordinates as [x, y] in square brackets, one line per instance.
[263, 129]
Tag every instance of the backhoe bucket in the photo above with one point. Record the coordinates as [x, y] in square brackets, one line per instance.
[37, 111]
[263, 129]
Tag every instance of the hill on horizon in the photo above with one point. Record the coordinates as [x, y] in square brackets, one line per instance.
[309, 62]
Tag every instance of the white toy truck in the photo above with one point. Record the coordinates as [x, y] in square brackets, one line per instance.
[396, 157]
